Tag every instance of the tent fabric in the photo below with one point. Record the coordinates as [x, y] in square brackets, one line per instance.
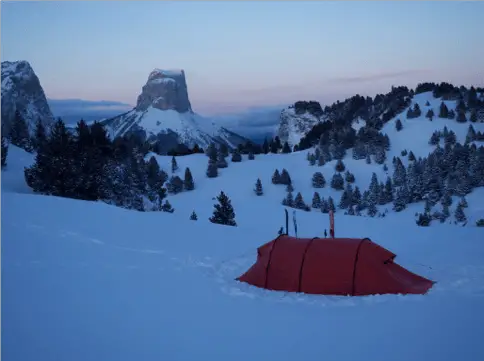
[333, 266]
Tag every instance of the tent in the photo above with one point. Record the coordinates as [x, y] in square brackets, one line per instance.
[331, 266]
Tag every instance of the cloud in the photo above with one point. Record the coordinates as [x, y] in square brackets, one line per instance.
[380, 76]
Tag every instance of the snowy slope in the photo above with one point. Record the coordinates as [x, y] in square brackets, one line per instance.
[88, 281]
[416, 132]
[188, 128]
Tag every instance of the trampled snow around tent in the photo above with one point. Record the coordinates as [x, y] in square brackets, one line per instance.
[331, 266]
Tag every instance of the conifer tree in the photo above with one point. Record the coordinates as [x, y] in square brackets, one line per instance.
[223, 211]
[193, 216]
[288, 201]
[4, 150]
[318, 180]
[316, 203]
[174, 165]
[459, 214]
[19, 133]
[398, 125]
[212, 169]
[167, 207]
[337, 182]
[285, 177]
[299, 202]
[430, 114]
[276, 177]
[188, 182]
[221, 161]
[258, 187]
[349, 177]
[175, 185]
[40, 136]
[286, 149]
[340, 166]
[443, 111]
[236, 156]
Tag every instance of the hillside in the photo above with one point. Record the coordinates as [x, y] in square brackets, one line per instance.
[110, 283]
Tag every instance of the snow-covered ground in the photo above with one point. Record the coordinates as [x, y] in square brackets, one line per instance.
[87, 281]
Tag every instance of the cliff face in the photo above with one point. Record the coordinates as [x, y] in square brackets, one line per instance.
[21, 90]
[165, 90]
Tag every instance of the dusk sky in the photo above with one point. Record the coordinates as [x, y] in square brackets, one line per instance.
[238, 55]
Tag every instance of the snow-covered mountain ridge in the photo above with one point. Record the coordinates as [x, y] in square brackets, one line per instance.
[298, 120]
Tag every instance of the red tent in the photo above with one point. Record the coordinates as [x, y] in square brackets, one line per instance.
[332, 266]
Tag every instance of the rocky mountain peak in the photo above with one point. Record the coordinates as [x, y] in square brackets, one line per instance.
[21, 90]
[165, 90]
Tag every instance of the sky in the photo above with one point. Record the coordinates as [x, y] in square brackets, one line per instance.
[238, 55]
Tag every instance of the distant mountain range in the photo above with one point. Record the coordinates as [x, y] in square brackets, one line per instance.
[72, 110]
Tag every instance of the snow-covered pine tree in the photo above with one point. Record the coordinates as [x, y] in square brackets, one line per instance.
[288, 201]
[221, 161]
[258, 187]
[19, 133]
[356, 198]
[174, 185]
[40, 136]
[212, 169]
[299, 202]
[289, 188]
[398, 125]
[285, 178]
[346, 197]
[286, 149]
[316, 203]
[236, 156]
[430, 114]
[337, 182]
[188, 182]
[167, 207]
[276, 177]
[223, 211]
[349, 177]
[459, 214]
[340, 166]
[174, 165]
[318, 180]
[4, 150]
[443, 111]
[193, 216]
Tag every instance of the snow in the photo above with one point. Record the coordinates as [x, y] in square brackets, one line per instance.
[416, 132]
[88, 281]
[168, 72]
[293, 127]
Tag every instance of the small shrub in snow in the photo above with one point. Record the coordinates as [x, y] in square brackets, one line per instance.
[480, 223]
[193, 216]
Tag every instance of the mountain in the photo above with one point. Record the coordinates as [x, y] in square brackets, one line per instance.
[21, 90]
[163, 115]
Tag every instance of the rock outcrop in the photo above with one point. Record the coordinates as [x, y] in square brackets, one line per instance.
[165, 90]
[21, 90]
